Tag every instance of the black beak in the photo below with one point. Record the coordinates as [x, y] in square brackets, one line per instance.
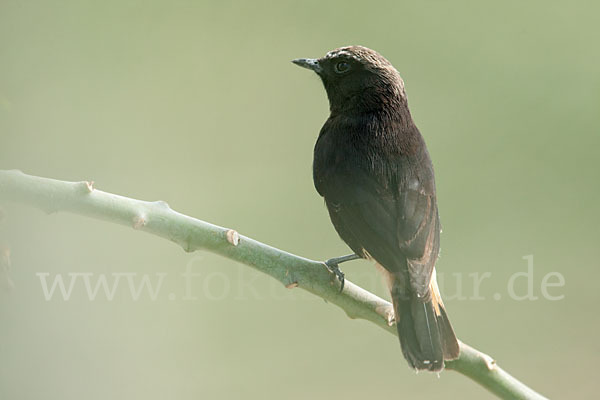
[309, 63]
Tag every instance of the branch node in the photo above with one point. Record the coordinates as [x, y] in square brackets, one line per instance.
[139, 221]
[391, 319]
[162, 204]
[351, 315]
[490, 363]
[186, 245]
[233, 237]
[86, 186]
[49, 209]
[387, 312]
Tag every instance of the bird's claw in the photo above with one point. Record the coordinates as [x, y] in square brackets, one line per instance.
[334, 268]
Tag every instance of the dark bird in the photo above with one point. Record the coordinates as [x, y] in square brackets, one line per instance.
[372, 167]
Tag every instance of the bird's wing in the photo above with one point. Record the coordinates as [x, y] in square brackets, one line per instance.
[399, 227]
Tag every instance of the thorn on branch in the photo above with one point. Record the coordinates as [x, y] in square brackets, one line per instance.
[233, 237]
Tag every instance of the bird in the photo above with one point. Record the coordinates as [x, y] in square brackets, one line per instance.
[372, 167]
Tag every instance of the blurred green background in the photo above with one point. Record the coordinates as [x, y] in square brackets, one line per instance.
[197, 104]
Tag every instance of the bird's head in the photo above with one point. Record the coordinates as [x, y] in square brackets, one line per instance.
[357, 79]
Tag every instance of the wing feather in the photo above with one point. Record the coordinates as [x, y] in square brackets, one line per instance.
[400, 230]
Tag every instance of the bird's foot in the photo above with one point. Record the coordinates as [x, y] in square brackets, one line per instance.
[333, 266]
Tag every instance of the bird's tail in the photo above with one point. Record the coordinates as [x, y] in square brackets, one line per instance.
[426, 336]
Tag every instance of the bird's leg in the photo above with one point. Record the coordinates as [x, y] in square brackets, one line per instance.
[333, 266]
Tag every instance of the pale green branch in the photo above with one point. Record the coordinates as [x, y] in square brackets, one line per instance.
[192, 234]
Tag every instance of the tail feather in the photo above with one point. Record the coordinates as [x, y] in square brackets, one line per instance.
[449, 342]
[426, 336]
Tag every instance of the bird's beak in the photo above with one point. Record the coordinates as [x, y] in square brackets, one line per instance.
[309, 63]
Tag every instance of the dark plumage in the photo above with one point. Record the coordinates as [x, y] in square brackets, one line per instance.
[372, 167]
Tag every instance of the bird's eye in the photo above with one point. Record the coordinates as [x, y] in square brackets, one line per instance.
[342, 67]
